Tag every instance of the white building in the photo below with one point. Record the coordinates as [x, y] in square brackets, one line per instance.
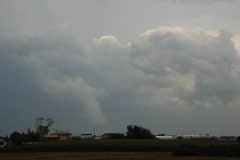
[3, 143]
[165, 137]
[59, 135]
[86, 136]
[198, 136]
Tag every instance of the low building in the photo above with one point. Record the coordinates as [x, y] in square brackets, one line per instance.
[198, 136]
[113, 135]
[59, 135]
[166, 137]
[190, 136]
[87, 136]
[3, 143]
[228, 138]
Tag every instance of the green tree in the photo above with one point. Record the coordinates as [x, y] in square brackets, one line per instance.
[31, 136]
[43, 125]
[134, 131]
[16, 138]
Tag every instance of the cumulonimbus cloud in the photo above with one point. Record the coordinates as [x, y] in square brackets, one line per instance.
[188, 60]
[166, 70]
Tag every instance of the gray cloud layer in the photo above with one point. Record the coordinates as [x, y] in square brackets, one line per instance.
[60, 59]
[176, 79]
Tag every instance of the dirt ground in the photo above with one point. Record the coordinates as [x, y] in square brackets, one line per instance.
[101, 156]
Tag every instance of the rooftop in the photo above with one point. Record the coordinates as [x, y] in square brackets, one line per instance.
[62, 132]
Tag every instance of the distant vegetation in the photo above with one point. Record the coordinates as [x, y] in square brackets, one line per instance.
[43, 125]
[42, 128]
[17, 138]
[134, 131]
[176, 147]
[137, 139]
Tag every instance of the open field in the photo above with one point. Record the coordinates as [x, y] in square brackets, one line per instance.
[101, 156]
[125, 147]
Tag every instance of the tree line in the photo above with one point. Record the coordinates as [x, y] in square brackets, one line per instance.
[134, 131]
[43, 127]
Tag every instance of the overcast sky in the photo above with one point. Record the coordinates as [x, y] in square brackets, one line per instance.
[171, 66]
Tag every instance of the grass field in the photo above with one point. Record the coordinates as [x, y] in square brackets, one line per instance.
[126, 148]
[101, 156]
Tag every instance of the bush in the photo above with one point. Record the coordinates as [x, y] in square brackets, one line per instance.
[134, 131]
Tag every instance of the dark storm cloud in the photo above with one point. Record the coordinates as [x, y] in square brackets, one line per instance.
[173, 71]
[69, 60]
[40, 77]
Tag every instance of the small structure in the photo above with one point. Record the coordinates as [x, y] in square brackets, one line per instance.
[198, 136]
[166, 137]
[113, 135]
[97, 137]
[87, 136]
[3, 143]
[228, 138]
[59, 135]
